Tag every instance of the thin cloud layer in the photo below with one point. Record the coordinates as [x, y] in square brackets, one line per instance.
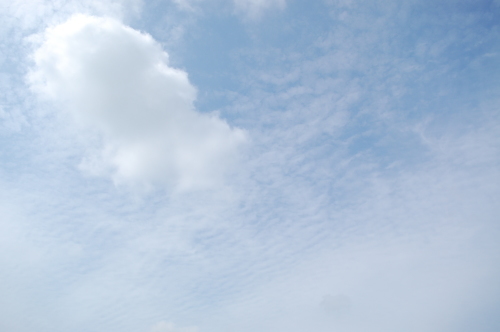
[170, 327]
[116, 82]
[31, 14]
[254, 8]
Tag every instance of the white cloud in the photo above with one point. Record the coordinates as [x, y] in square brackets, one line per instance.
[255, 8]
[116, 81]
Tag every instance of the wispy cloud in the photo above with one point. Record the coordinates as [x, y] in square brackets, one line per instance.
[253, 9]
[20, 14]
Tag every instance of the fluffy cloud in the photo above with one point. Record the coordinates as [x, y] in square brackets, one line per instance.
[116, 81]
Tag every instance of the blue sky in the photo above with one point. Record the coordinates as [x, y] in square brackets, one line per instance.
[249, 166]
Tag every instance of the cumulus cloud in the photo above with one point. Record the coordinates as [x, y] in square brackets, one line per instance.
[255, 8]
[116, 81]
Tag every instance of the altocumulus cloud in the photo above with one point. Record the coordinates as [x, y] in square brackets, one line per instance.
[115, 82]
[255, 8]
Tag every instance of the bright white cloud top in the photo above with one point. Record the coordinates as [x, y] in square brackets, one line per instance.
[117, 81]
[289, 166]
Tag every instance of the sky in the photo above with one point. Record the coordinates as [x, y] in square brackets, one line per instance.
[249, 166]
